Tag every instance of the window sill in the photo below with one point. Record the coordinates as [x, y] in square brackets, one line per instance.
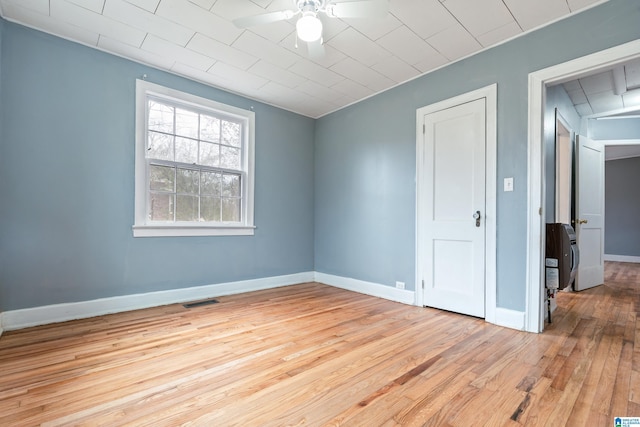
[192, 230]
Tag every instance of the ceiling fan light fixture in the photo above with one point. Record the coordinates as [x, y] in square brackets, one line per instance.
[309, 27]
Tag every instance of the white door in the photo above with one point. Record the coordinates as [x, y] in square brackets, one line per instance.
[453, 216]
[589, 223]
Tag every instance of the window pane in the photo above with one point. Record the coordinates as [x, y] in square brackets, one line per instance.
[161, 207]
[161, 178]
[229, 157]
[186, 123]
[160, 117]
[231, 185]
[186, 150]
[187, 181]
[210, 208]
[186, 208]
[231, 133]
[209, 154]
[209, 128]
[160, 146]
[231, 210]
[211, 183]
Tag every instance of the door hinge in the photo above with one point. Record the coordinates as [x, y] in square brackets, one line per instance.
[422, 283]
[424, 129]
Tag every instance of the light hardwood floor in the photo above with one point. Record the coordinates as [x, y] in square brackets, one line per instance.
[315, 355]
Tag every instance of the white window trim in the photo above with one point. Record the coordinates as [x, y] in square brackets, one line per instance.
[141, 227]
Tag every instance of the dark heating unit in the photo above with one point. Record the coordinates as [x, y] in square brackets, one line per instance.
[561, 259]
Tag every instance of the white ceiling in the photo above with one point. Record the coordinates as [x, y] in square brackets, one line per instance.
[608, 91]
[197, 39]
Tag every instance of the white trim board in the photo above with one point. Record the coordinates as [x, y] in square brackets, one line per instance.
[622, 258]
[368, 288]
[24, 318]
[538, 82]
[510, 318]
[17, 319]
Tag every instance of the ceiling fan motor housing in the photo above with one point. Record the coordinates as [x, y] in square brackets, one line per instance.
[310, 5]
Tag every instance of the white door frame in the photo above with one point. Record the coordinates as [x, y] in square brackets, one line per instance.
[538, 80]
[490, 94]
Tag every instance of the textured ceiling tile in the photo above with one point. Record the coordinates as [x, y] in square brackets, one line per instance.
[584, 109]
[454, 43]
[205, 4]
[50, 25]
[192, 16]
[188, 57]
[240, 76]
[362, 74]
[221, 52]
[531, 14]
[580, 4]
[134, 16]
[93, 5]
[69, 12]
[276, 74]
[424, 17]
[313, 71]
[148, 5]
[374, 28]
[480, 16]
[354, 44]
[352, 89]
[128, 51]
[577, 96]
[265, 49]
[318, 91]
[40, 6]
[435, 60]
[406, 45]
[500, 34]
[396, 69]
[596, 83]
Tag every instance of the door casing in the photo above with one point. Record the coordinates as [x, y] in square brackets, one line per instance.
[489, 93]
[538, 80]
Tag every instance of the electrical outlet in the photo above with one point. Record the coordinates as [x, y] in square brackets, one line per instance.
[400, 285]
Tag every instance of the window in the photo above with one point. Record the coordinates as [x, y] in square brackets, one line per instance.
[194, 165]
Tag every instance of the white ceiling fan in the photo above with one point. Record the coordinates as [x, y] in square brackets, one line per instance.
[308, 25]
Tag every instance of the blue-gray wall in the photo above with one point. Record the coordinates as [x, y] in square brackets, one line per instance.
[365, 154]
[67, 183]
[614, 129]
[622, 207]
[558, 98]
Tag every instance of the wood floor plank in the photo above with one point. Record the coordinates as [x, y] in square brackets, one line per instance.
[314, 355]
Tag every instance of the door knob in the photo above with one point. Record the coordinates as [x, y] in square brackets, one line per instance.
[583, 221]
[477, 217]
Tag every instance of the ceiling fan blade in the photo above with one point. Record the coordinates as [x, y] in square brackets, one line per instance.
[359, 9]
[265, 18]
[316, 49]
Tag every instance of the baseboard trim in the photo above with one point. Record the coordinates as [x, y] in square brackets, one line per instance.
[24, 318]
[622, 258]
[368, 288]
[510, 318]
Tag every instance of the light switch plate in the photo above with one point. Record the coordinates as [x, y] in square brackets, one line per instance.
[508, 184]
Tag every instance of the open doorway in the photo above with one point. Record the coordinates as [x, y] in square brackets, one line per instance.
[538, 83]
